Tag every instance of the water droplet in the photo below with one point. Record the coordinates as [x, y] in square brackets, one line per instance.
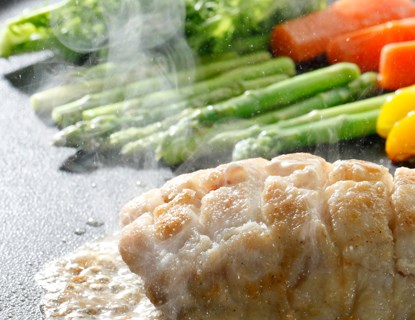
[79, 231]
[93, 185]
[94, 223]
[138, 183]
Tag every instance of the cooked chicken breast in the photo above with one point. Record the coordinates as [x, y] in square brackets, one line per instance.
[291, 238]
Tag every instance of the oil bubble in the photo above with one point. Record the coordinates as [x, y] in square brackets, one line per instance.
[79, 231]
[94, 223]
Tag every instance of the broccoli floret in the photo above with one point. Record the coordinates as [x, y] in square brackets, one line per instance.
[74, 27]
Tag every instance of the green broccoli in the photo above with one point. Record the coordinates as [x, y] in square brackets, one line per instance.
[75, 27]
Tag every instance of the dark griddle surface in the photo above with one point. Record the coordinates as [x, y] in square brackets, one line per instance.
[40, 205]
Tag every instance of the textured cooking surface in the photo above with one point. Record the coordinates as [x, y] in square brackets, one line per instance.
[42, 206]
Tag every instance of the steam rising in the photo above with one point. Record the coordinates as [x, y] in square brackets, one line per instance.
[136, 35]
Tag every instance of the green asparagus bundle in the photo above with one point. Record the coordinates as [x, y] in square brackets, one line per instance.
[134, 95]
[45, 101]
[104, 69]
[142, 147]
[255, 110]
[360, 88]
[228, 136]
[92, 134]
[345, 122]
[174, 114]
[130, 141]
[234, 78]
[273, 97]
[154, 63]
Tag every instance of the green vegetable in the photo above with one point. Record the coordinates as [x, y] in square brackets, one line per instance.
[45, 101]
[210, 26]
[120, 138]
[233, 78]
[115, 88]
[141, 64]
[92, 133]
[29, 32]
[71, 27]
[360, 88]
[173, 148]
[281, 94]
[88, 135]
[215, 26]
[345, 122]
[130, 140]
[143, 146]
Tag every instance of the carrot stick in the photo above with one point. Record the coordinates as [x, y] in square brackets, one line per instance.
[363, 46]
[307, 37]
[397, 65]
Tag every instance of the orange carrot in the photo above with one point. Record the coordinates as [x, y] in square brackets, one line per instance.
[397, 65]
[307, 37]
[363, 46]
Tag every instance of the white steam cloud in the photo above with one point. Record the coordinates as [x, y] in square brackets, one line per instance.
[136, 34]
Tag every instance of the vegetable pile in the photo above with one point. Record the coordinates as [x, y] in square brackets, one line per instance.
[221, 112]
[239, 101]
[74, 27]
[377, 36]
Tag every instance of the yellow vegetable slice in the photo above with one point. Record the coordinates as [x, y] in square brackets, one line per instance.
[395, 109]
[400, 144]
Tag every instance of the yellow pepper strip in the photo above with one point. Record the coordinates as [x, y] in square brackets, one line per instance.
[396, 108]
[400, 144]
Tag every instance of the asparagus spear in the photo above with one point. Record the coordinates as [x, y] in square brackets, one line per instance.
[205, 59]
[264, 124]
[128, 139]
[75, 111]
[45, 101]
[71, 112]
[338, 123]
[89, 135]
[282, 93]
[142, 146]
[111, 68]
[97, 71]
[281, 65]
[360, 88]
[172, 113]
[82, 133]
[104, 69]
[273, 97]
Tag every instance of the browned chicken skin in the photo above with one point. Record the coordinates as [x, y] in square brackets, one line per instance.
[291, 238]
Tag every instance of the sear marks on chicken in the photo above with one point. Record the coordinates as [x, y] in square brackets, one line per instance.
[291, 238]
